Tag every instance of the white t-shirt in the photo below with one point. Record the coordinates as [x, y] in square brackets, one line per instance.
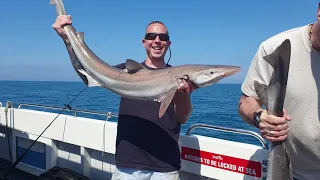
[302, 100]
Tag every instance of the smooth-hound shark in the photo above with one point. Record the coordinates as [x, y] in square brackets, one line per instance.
[137, 82]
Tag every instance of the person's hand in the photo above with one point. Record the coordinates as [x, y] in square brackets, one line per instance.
[274, 128]
[187, 86]
[60, 22]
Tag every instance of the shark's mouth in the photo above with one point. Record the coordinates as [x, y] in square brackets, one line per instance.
[212, 81]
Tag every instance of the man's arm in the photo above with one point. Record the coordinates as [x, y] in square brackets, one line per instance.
[260, 71]
[182, 100]
[183, 106]
[271, 127]
[247, 106]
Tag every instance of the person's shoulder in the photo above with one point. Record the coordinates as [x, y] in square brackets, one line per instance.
[274, 41]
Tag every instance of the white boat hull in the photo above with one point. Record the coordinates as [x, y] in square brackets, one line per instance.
[87, 146]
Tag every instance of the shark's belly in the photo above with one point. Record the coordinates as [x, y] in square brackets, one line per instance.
[137, 90]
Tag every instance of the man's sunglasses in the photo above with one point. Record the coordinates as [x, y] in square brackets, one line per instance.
[153, 36]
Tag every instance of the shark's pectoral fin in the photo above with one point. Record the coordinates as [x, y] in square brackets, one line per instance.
[166, 100]
[133, 66]
[261, 90]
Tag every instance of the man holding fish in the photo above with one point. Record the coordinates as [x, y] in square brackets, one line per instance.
[298, 135]
[147, 145]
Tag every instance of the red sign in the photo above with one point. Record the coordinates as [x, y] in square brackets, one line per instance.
[238, 165]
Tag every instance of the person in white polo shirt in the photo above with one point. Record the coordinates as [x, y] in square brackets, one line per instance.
[300, 125]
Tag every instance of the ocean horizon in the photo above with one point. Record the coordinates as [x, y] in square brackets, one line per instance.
[215, 105]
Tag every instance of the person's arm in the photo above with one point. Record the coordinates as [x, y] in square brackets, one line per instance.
[260, 71]
[182, 101]
[271, 127]
[183, 106]
[247, 107]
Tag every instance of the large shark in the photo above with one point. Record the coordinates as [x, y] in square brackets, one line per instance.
[273, 96]
[137, 82]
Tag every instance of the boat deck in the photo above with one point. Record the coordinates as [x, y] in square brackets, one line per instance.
[16, 174]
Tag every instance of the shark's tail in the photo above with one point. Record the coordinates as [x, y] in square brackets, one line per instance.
[59, 7]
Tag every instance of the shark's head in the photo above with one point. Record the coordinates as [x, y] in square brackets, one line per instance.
[205, 75]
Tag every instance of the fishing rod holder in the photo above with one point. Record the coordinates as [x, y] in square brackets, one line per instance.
[75, 111]
[232, 130]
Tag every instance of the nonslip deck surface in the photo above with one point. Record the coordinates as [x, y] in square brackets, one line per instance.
[15, 174]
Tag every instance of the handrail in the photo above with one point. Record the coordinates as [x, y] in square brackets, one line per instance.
[108, 114]
[0, 104]
[233, 130]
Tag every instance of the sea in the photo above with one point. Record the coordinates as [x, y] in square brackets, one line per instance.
[215, 105]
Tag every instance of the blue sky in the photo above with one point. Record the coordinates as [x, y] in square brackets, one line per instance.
[202, 32]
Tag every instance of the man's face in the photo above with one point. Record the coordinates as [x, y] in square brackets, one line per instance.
[157, 41]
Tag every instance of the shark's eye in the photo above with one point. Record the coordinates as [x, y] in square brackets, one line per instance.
[211, 72]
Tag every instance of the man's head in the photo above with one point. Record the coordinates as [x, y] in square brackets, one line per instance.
[156, 41]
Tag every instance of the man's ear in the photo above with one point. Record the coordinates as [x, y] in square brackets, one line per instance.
[143, 42]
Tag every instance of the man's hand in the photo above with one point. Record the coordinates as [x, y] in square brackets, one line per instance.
[186, 86]
[61, 21]
[274, 128]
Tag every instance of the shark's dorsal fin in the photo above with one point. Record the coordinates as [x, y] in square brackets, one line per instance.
[133, 66]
